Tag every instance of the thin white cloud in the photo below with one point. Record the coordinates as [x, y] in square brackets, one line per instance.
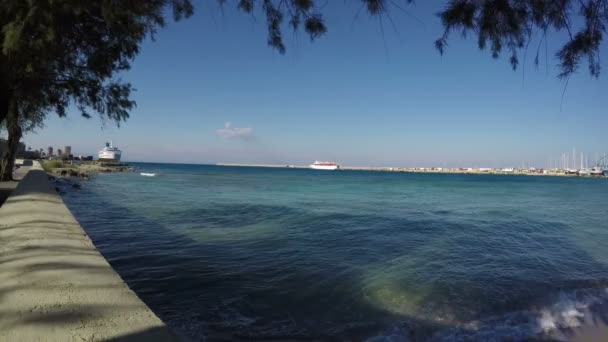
[240, 133]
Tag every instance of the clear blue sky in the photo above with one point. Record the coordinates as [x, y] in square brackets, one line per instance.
[351, 96]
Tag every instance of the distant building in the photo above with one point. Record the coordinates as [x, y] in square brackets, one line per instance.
[49, 152]
[59, 153]
[67, 150]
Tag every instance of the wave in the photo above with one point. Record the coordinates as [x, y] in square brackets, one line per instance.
[235, 320]
[569, 311]
[352, 264]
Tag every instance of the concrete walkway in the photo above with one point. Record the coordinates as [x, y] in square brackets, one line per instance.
[54, 284]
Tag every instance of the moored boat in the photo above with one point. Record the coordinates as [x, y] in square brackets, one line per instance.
[584, 172]
[596, 172]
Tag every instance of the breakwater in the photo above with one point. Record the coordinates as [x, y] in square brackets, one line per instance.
[439, 170]
[54, 284]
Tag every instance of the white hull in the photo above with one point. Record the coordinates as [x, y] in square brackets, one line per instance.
[109, 155]
[324, 167]
[596, 172]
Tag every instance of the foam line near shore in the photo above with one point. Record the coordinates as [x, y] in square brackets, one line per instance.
[54, 284]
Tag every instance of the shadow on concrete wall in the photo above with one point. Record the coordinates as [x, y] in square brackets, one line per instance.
[54, 284]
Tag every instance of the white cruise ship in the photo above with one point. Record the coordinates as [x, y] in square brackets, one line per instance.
[109, 153]
[320, 165]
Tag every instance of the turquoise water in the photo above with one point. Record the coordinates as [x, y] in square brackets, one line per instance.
[257, 254]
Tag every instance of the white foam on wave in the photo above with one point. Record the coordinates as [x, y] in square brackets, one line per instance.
[568, 311]
[572, 309]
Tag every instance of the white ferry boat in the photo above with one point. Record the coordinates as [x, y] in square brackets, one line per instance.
[320, 165]
[110, 153]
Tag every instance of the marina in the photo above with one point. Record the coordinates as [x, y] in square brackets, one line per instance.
[564, 167]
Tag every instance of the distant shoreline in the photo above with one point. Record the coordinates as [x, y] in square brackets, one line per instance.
[463, 171]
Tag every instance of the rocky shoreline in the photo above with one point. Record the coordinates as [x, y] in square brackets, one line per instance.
[83, 170]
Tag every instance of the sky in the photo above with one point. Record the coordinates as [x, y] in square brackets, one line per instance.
[210, 90]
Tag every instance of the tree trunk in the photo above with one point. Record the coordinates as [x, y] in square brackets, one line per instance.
[5, 95]
[14, 136]
[4, 99]
[3, 113]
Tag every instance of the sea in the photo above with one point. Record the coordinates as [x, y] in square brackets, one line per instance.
[256, 254]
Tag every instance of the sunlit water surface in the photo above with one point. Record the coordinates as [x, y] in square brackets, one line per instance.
[260, 253]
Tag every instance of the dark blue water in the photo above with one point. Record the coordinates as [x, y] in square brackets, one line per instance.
[258, 253]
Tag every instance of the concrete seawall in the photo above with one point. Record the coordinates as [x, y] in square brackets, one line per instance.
[54, 284]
